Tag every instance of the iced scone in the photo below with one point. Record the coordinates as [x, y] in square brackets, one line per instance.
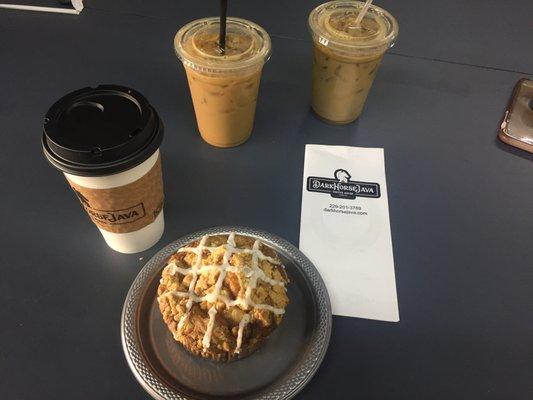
[223, 295]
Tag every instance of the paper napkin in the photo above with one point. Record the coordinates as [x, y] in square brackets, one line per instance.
[345, 229]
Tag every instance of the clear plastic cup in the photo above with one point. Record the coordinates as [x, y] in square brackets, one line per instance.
[346, 56]
[224, 85]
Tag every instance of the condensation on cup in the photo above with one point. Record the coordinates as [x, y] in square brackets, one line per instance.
[106, 142]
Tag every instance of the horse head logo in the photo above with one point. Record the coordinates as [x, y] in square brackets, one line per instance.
[342, 175]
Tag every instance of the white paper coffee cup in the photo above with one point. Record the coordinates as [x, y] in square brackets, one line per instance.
[106, 142]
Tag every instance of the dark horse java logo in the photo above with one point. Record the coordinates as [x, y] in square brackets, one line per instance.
[342, 187]
[113, 217]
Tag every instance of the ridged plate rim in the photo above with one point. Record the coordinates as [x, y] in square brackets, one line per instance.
[283, 389]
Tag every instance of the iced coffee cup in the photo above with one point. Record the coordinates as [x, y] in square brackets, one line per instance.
[347, 56]
[106, 142]
[224, 84]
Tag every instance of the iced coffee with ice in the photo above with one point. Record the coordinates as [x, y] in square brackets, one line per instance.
[224, 83]
[346, 56]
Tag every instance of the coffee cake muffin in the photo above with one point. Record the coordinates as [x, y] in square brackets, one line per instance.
[223, 295]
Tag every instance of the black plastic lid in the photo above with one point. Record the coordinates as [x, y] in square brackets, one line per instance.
[102, 131]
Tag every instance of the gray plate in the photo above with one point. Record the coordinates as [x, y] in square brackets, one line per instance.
[278, 370]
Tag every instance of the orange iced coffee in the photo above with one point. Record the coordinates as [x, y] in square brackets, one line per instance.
[347, 56]
[224, 84]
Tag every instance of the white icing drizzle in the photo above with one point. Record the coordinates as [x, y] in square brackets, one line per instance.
[229, 303]
[173, 269]
[235, 250]
[194, 271]
[206, 341]
[213, 296]
[253, 279]
[242, 324]
[253, 273]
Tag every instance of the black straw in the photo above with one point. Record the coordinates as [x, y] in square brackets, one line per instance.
[222, 35]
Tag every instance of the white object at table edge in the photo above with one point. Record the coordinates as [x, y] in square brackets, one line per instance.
[77, 4]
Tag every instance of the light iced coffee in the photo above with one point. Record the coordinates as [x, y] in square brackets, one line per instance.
[347, 56]
[224, 84]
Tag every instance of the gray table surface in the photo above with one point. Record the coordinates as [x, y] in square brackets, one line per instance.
[460, 202]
